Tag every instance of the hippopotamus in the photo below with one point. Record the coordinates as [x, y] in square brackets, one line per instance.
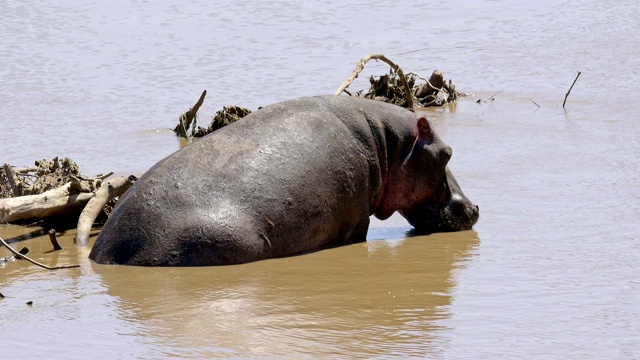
[291, 178]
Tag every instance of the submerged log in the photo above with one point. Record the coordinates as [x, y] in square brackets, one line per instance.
[107, 192]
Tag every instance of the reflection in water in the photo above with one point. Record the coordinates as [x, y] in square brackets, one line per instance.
[382, 297]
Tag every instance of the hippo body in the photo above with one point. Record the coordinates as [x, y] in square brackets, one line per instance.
[288, 179]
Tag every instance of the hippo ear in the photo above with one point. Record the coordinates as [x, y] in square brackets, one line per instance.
[424, 130]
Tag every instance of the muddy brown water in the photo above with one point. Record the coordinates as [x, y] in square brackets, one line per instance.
[550, 270]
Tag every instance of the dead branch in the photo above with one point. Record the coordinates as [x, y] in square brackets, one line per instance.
[26, 169]
[53, 202]
[80, 184]
[25, 257]
[187, 118]
[396, 68]
[54, 240]
[103, 177]
[15, 186]
[111, 189]
[568, 92]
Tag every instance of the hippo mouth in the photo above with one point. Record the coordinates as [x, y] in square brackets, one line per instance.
[454, 213]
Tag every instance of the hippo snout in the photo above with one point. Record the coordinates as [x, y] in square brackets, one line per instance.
[456, 214]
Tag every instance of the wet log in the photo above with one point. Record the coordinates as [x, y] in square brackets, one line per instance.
[107, 192]
[53, 202]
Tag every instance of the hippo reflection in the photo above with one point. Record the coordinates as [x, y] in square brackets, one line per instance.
[291, 178]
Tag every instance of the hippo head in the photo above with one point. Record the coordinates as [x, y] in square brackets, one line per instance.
[446, 208]
[450, 211]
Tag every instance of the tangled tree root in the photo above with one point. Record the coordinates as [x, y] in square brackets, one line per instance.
[222, 118]
[55, 189]
[398, 89]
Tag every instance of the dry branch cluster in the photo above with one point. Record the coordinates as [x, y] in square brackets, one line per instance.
[388, 88]
[31, 180]
[222, 118]
[56, 189]
[394, 88]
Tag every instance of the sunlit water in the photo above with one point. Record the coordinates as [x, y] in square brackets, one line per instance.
[550, 270]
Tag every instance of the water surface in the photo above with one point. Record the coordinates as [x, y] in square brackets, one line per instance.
[550, 270]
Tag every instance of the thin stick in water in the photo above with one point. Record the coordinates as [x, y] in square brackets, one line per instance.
[568, 92]
[14, 252]
[54, 240]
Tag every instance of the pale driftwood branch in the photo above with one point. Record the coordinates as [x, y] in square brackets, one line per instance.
[187, 117]
[396, 68]
[84, 185]
[568, 92]
[53, 202]
[27, 169]
[25, 257]
[109, 190]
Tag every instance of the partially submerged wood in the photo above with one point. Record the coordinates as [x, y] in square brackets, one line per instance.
[107, 192]
[53, 202]
[186, 119]
[31, 180]
[228, 114]
[360, 66]
[54, 240]
[25, 257]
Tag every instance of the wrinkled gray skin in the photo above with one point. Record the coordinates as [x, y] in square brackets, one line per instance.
[291, 178]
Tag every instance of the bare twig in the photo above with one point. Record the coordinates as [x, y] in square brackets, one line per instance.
[568, 92]
[535, 103]
[25, 257]
[396, 68]
[492, 96]
[102, 177]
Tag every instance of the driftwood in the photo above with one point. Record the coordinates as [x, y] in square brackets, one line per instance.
[25, 257]
[188, 117]
[53, 202]
[11, 179]
[107, 192]
[396, 68]
[228, 114]
[394, 88]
